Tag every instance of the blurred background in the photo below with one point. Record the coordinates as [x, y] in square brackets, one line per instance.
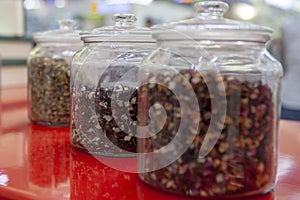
[19, 19]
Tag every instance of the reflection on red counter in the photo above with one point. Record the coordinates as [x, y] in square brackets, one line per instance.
[48, 156]
[48, 159]
[95, 180]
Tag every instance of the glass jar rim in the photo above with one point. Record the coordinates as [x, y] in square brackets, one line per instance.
[209, 24]
[66, 33]
[123, 30]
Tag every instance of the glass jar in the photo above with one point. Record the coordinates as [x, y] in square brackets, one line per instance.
[49, 74]
[104, 87]
[213, 94]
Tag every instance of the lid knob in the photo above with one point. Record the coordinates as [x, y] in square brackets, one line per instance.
[211, 9]
[66, 24]
[124, 20]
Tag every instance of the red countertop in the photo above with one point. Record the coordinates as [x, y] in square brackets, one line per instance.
[36, 162]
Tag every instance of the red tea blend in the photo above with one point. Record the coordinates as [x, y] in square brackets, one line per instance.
[243, 159]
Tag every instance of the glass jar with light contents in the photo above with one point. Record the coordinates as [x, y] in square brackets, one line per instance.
[49, 74]
[210, 105]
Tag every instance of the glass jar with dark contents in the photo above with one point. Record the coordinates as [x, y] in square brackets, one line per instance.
[104, 87]
[212, 92]
[49, 74]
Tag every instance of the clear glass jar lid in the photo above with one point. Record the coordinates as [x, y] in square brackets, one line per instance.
[124, 30]
[209, 24]
[66, 33]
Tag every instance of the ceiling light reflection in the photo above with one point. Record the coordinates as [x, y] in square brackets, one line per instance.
[32, 4]
[3, 179]
[285, 165]
[244, 11]
[60, 3]
[142, 2]
[286, 4]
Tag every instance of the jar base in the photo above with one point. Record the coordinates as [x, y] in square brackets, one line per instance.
[50, 124]
[105, 154]
[247, 195]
